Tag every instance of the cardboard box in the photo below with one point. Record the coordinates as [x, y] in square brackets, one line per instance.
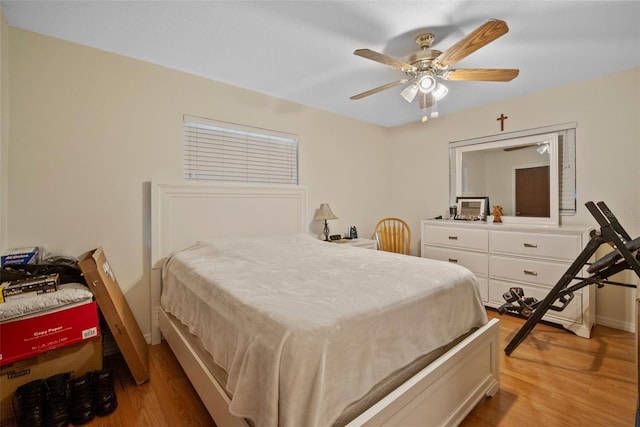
[77, 359]
[28, 287]
[26, 337]
[21, 256]
[117, 313]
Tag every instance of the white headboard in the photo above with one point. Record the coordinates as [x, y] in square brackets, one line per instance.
[183, 213]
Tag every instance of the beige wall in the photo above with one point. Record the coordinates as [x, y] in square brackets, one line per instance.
[607, 111]
[89, 129]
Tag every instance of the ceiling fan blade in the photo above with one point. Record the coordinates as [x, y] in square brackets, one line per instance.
[426, 100]
[379, 89]
[519, 147]
[482, 36]
[384, 59]
[482, 74]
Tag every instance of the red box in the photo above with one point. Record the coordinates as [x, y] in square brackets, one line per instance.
[23, 338]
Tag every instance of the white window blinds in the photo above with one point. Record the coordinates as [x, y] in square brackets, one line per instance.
[221, 151]
[567, 173]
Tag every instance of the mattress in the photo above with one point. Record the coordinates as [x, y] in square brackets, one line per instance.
[304, 328]
[380, 390]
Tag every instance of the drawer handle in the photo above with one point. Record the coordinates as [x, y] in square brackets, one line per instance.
[453, 237]
[453, 260]
[530, 273]
[530, 245]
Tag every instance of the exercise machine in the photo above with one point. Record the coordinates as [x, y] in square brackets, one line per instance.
[625, 256]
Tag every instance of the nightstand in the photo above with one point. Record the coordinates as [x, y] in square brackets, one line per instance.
[360, 243]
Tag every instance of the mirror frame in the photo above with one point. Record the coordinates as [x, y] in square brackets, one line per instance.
[457, 151]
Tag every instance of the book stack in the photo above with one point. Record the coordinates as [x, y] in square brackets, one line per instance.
[36, 285]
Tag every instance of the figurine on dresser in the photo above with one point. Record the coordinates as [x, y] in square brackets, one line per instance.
[497, 214]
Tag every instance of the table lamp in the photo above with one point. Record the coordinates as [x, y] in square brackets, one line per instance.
[324, 213]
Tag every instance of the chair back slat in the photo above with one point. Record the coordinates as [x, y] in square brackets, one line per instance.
[393, 235]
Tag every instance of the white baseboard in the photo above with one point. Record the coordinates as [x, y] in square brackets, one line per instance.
[615, 324]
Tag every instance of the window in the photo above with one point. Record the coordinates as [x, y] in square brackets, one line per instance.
[221, 151]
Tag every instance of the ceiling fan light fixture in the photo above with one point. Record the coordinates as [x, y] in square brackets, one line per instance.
[440, 91]
[427, 67]
[543, 148]
[426, 84]
[409, 93]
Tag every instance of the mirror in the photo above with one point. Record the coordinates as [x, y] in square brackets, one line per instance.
[520, 175]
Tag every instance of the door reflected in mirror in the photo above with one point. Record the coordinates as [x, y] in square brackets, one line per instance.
[532, 191]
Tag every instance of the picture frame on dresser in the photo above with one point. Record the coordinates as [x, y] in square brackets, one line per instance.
[472, 208]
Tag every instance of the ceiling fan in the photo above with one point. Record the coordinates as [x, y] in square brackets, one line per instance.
[423, 69]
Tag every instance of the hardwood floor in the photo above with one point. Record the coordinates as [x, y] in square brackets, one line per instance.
[553, 378]
[166, 400]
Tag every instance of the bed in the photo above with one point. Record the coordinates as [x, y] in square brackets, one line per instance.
[436, 377]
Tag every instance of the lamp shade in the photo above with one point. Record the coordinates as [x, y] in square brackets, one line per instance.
[440, 91]
[324, 213]
[426, 84]
[409, 93]
[543, 148]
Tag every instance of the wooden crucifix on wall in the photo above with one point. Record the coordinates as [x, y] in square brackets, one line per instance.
[501, 119]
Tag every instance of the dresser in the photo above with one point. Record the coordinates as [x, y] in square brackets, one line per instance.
[501, 256]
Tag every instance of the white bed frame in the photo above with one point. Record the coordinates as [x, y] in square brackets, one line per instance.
[443, 393]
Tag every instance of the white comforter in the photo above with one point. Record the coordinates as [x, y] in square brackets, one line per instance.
[303, 327]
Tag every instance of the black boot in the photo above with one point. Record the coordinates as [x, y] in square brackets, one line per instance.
[105, 394]
[55, 403]
[30, 400]
[81, 405]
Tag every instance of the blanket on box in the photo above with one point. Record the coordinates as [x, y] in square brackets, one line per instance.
[68, 293]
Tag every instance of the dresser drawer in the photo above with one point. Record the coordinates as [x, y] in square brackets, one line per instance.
[527, 270]
[474, 261]
[553, 246]
[456, 237]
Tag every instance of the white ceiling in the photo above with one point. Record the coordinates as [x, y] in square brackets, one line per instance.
[303, 51]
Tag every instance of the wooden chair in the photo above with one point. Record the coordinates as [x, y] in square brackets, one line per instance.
[393, 235]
